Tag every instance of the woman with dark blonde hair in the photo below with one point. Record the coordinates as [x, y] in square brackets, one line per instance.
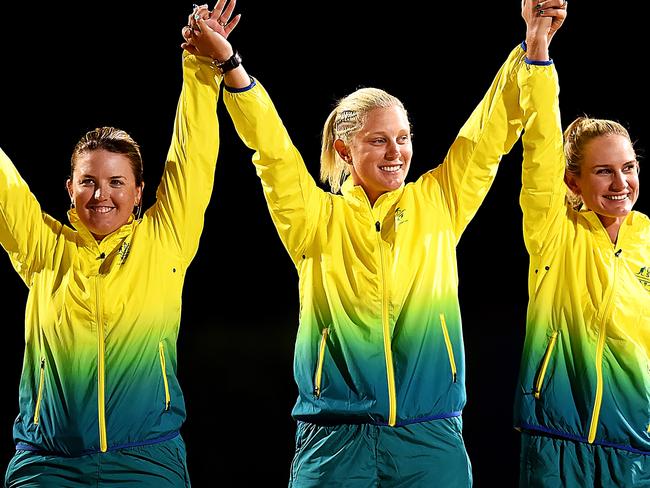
[100, 402]
[583, 399]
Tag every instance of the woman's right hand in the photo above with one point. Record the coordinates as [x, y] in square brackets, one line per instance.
[206, 31]
[218, 19]
[543, 19]
[206, 35]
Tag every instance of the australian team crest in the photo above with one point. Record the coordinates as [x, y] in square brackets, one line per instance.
[400, 217]
[644, 277]
[124, 250]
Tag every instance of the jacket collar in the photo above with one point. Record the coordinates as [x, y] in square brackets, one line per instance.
[109, 241]
[594, 220]
[631, 224]
[356, 194]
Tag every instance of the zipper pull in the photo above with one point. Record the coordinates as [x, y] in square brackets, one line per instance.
[618, 253]
[377, 226]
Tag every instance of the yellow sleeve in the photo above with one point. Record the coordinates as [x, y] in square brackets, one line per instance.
[470, 166]
[543, 190]
[26, 233]
[184, 191]
[294, 200]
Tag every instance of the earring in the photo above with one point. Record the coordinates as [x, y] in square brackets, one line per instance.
[71, 204]
[137, 211]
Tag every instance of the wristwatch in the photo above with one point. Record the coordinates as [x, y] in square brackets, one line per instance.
[229, 64]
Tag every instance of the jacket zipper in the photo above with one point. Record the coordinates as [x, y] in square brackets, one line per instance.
[545, 360]
[161, 350]
[321, 359]
[388, 353]
[599, 358]
[39, 397]
[101, 407]
[450, 351]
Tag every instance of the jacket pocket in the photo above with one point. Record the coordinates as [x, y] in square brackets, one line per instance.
[39, 396]
[318, 377]
[161, 350]
[450, 350]
[539, 381]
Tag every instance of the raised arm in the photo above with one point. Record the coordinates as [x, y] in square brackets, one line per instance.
[26, 233]
[543, 189]
[495, 125]
[470, 165]
[187, 181]
[294, 200]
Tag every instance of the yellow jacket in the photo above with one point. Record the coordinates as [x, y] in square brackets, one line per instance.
[102, 318]
[585, 371]
[380, 337]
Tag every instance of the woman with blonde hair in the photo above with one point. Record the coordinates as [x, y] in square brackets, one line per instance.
[379, 359]
[583, 398]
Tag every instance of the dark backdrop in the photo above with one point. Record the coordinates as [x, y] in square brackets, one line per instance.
[67, 68]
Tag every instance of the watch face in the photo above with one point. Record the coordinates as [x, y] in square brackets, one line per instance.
[232, 63]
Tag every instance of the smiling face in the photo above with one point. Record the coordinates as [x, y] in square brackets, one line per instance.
[609, 178]
[379, 154]
[104, 191]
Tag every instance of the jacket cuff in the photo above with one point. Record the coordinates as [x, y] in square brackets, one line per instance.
[534, 62]
[241, 90]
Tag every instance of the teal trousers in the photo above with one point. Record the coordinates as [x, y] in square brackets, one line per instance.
[160, 465]
[550, 462]
[426, 454]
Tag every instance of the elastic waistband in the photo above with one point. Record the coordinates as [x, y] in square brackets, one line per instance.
[331, 420]
[419, 420]
[539, 430]
[22, 446]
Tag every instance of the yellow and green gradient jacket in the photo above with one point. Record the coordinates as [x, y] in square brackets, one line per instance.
[102, 318]
[380, 337]
[585, 372]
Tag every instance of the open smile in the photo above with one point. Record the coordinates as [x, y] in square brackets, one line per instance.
[101, 209]
[391, 168]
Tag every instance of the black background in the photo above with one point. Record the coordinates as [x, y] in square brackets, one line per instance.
[67, 68]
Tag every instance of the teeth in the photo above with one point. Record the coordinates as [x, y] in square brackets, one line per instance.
[616, 197]
[390, 169]
[101, 209]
